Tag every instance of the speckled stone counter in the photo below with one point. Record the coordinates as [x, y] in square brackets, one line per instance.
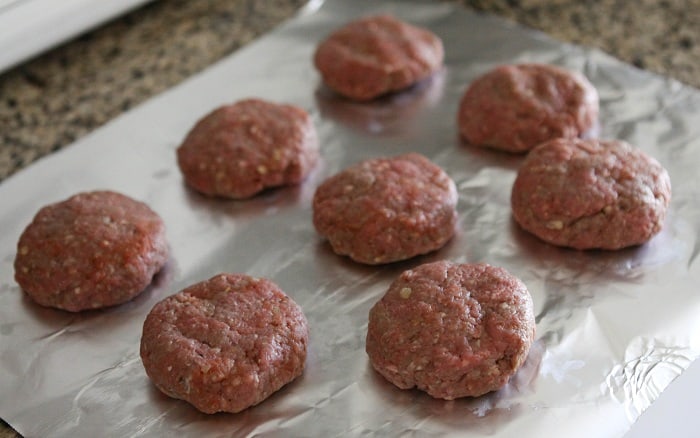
[54, 99]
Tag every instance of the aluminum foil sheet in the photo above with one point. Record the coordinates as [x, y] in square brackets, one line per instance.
[614, 328]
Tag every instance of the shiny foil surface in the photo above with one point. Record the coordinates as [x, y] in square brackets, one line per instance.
[614, 328]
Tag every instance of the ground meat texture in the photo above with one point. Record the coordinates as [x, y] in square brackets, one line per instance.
[93, 250]
[377, 55]
[386, 209]
[225, 344]
[451, 330]
[588, 194]
[239, 150]
[516, 107]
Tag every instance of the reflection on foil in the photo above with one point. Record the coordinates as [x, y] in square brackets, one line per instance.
[613, 327]
[387, 115]
[564, 371]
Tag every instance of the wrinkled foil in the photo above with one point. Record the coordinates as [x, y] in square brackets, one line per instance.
[613, 328]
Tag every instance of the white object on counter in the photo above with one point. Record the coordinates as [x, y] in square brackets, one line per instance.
[31, 26]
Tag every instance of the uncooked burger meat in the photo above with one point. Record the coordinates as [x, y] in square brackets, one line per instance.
[516, 107]
[93, 250]
[451, 330]
[377, 55]
[383, 210]
[225, 344]
[239, 150]
[588, 194]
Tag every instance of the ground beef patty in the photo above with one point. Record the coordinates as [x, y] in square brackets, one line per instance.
[451, 330]
[516, 107]
[238, 150]
[225, 344]
[376, 55]
[589, 194]
[386, 209]
[93, 250]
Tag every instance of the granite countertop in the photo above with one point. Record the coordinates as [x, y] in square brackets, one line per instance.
[54, 99]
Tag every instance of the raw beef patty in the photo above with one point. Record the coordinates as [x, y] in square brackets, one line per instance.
[225, 344]
[383, 210]
[377, 55]
[588, 194]
[93, 250]
[451, 330]
[239, 150]
[516, 107]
